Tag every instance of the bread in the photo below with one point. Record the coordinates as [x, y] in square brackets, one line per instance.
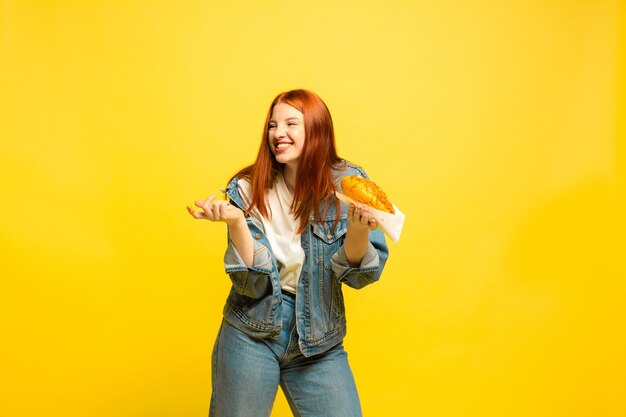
[367, 192]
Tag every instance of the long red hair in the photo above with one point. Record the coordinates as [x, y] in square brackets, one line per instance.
[314, 178]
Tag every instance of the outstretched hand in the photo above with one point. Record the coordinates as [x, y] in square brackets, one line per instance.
[216, 211]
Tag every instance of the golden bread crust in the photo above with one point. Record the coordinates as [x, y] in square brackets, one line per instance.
[367, 192]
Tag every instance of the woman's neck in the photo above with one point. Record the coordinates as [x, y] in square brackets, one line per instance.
[289, 173]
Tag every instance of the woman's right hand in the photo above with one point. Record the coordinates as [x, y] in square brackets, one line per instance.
[217, 211]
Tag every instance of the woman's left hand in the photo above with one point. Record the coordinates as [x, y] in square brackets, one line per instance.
[360, 217]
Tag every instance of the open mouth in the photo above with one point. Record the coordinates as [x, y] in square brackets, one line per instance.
[283, 145]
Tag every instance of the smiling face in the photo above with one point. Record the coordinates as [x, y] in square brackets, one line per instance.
[286, 134]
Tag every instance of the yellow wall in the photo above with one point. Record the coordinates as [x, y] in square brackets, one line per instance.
[497, 127]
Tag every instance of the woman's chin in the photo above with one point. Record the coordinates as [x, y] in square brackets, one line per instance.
[286, 160]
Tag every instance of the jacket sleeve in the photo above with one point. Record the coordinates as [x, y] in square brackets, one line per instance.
[254, 281]
[371, 266]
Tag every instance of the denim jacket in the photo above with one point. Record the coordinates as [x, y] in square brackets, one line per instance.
[254, 302]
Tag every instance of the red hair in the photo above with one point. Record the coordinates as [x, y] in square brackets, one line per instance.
[314, 178]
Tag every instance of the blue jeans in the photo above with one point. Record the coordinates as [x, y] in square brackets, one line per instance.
[247, 371]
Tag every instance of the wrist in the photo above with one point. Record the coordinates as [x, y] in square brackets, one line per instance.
[239, 222]
[357, 235]
[358, 229]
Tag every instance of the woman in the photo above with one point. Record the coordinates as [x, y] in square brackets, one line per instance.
[291, 246]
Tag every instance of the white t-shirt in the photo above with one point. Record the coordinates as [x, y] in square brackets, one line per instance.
[280, 230]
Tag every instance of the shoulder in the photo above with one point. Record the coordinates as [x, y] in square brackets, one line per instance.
[239, 190]
[232, 187]
[346, 169]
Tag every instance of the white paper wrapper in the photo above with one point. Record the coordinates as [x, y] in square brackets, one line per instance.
[389, 223]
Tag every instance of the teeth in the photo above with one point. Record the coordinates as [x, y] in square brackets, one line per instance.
[282, 145]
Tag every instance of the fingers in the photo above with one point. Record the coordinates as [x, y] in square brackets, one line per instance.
[219, 209]
[210, 209]
[223, 209]
[360, 215]
[195, 214]
[206, 206]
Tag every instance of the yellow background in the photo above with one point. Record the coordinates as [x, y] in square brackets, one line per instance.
[497, 127]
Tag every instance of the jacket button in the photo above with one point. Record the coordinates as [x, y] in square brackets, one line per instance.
[258, 235]
[330, 235]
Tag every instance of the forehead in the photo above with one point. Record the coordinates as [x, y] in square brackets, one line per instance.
[285, 111]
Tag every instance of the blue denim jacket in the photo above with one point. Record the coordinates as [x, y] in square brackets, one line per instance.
[253, 304]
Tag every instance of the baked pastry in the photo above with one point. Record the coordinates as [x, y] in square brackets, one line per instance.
[367, 192]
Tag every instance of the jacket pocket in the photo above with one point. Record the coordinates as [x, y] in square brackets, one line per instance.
[323, 230]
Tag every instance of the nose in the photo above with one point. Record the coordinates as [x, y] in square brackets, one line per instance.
[279, 132]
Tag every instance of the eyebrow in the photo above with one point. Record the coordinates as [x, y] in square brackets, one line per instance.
[288, 119]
